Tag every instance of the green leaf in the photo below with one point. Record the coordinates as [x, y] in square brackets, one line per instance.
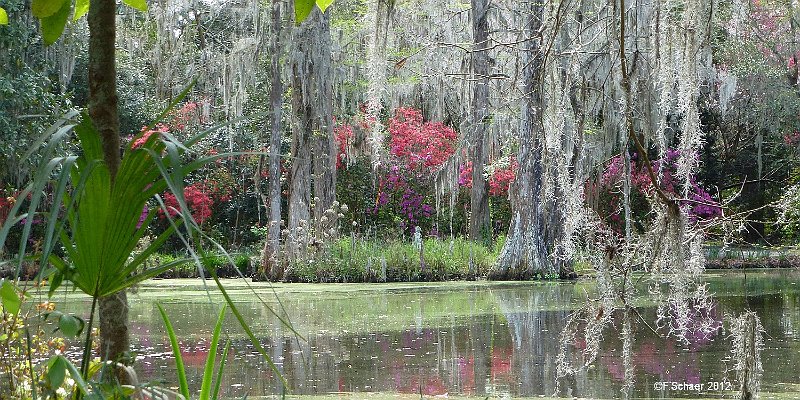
[176, 351]
[324, 4]
[10, 298]
[76, 376]
[53, 26]
[140, 5]
[81, 8]
[56, 372]
[302, 8]
[208, 372]
[70, 326]
[55, 282]
[3, 17]
[45, 8]
[222, 361]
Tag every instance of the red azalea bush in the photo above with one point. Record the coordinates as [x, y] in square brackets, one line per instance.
[145, 134]
[7, 200]
[419, 144]
[499, 180]
[344, 139]
[190, 115]
[200, 197]
[197, 199]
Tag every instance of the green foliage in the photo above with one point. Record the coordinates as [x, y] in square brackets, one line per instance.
[29, 93]
[103, 219]
[53, 24]
[302, 8]
[355, 260]
[140, 5]
[220, 263]
[135, 110]
[53, 15]
[176, 352]
[81, 8]
[46, 8]
[11, 300]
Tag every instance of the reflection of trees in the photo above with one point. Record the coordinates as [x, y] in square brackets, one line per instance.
[502, 340]
[534, 334]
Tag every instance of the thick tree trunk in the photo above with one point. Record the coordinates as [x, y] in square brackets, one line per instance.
[312, 123]
[536, 222]
[299, 183]
[114, 340]
[323, 146]
[270, 262]
[324, 167]
[480, 224]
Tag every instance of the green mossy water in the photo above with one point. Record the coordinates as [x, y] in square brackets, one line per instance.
[463, 339]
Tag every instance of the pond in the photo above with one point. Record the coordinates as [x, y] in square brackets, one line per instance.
[470, 339]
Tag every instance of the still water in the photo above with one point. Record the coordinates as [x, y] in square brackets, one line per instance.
[457, 339]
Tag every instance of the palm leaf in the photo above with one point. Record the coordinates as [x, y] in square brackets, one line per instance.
[208, 371]
[176, 351]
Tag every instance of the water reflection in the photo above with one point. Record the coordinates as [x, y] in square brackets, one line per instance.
[482, 340]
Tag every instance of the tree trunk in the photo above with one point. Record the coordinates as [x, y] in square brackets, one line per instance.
[380, 11]
[480, 224]
[271, 264]
[324, 165]
[114, 340]
[312, 123]
[535, 224]
[300, 179]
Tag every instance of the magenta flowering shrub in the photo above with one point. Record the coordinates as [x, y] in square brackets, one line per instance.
[699, 204]
[403, 197]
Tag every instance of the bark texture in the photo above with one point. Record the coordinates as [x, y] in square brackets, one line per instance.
[270, 261]
[480, 223]
[114, 341]
[537, 219]
[312, 125]
[380, 12]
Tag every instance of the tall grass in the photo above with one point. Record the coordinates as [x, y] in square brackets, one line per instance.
[355, 260]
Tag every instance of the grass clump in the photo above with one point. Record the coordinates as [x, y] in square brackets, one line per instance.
[349, 260]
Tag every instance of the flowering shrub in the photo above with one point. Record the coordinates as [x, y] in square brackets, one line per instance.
[791, 139]
[417, 144]
[197, 199]
[699, 204]
[200, 197]
[190, 114]
[344, 138]
[145, 134]
[416, 149]
[403, 196]
[500, 177]
[7, 201]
